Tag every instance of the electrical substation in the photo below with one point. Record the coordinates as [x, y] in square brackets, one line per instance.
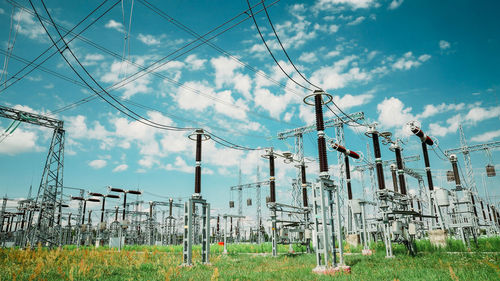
[324, 197]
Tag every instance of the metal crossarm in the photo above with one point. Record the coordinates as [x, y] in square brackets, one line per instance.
[51, 184]
[334, 122]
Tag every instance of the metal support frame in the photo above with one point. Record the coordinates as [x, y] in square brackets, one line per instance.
[187, 244]
[51, 183]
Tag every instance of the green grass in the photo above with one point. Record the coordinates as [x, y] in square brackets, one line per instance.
[244, 262]
[131, 265]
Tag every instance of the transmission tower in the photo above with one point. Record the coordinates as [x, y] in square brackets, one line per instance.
[51, 183]
[466, 150]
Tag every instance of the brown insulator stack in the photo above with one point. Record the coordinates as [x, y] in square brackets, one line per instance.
[197, 179]
[320, 128]
[304, 185]
[378, 160]
[272, 184]
[426, 140]
[394, 178]
[348, 177]
[401, 175]
[456, 175]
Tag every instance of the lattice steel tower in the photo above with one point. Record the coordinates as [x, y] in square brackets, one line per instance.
[51, 184]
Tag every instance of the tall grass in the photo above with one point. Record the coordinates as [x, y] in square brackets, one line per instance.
[93, 264]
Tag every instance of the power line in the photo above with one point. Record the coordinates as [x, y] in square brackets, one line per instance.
[132, 114]
[290, 60]
[151, 123]
[270, 52]
[214, 46]
[50, 47]
[283, 48]
[142, 68]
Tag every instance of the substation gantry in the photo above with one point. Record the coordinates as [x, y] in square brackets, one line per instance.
[240, 187]
[47, 230]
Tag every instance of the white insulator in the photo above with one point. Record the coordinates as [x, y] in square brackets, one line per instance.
[397, 227]
[356, 206]
[442, 197]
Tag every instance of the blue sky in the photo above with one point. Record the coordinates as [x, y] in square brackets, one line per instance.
[432, 61]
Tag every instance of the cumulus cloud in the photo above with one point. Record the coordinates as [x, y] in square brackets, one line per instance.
[431, 110]
[392, 113]
[194, 63]
[323, 5]
[98, 163]
[339, 74]
[308, 57]
[347, 101]
[119, 69]
[179, 165]
[20, 141]
[477, 113]
[443, 45]
[149, 39]
[357, 21]
[120, 168]
[29, 26]
[451, 126]
[226, 75]
[92, 59]
[395, 4]
[112, 24]
[206, 97]
[408, 61]
[485, 137]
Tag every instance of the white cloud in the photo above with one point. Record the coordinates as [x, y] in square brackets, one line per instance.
[333, 28]
[180, 165]
[395, 4]
[207, 99]
[225, 75]
[306, 114]
[332, 54]
[194, 63]
[408, 61]
[474, 115]
[119, 69]
[2, 11]
[485, 137]
[98, 163]
[308, 57]
[357, 21]
[92, 59]
[29, 26]
[431, 110]
[424, 57]
[392, 113]
[354, 4]
[477, 114]
[112, 24]
[347, 101]
[435, 129]
[149, 39]
[120, 168]
[443, 45]
[20, 141]
[337, 76]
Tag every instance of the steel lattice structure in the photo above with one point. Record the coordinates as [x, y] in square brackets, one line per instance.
[466, 150]
[51, 183]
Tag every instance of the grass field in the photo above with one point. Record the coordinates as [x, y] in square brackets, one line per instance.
[246, 263]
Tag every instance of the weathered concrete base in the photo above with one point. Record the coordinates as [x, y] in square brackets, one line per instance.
[366, 252]
[353, 240]
[332, 270]
[438, 237]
